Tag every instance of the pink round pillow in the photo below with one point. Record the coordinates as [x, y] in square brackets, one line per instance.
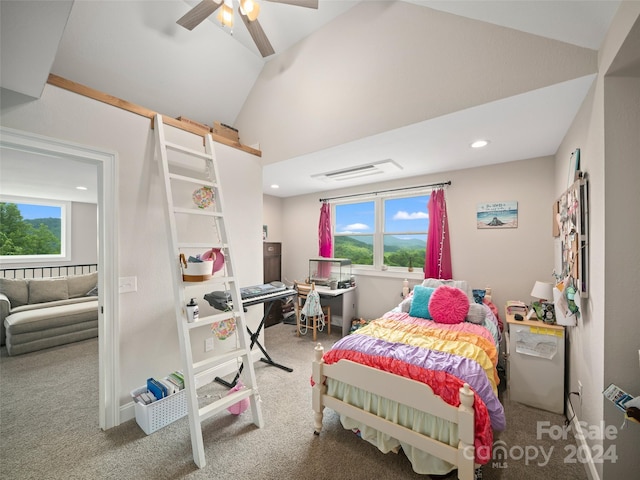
[448, 305]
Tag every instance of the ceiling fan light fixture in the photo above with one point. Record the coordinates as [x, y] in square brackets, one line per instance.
[250, 8]
[225, 16]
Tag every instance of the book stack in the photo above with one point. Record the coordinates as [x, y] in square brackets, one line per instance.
[158, 389]
[516, 306]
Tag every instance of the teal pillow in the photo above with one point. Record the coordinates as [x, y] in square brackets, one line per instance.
[420, 302]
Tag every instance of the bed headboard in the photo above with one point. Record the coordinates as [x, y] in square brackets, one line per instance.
[48, 271]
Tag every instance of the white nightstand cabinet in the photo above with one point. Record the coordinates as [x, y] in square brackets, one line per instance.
[535, 363]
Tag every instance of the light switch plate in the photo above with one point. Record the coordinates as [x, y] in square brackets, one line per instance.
[128, 284]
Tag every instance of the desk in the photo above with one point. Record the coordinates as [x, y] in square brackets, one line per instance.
[535, 352]
[343, 303]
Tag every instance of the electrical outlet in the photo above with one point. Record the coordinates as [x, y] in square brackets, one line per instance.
[208, 344]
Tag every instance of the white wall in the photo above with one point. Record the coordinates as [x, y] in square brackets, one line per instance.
[622, 269]
[328, 89]
[508, 260]
[603, 347]
[272, 218]
[84, 233]
[148, 334]
[584, 342]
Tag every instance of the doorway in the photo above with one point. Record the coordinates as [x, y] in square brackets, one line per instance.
[108, 334]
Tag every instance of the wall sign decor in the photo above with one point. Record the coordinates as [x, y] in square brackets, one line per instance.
[497, 215]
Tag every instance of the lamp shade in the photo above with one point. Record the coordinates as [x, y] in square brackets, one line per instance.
[542, 291]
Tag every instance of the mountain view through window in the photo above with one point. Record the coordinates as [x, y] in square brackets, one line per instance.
[392, 229]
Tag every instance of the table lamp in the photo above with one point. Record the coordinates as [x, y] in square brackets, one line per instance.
[543, 292]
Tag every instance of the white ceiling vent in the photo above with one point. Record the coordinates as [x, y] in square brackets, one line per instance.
[376, 168]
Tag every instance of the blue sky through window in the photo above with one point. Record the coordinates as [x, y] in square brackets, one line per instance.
[393, 234]
[355, 218]
[402, 215]
[31, 211]
[406, 215]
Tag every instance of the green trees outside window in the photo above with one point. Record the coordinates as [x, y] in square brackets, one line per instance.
[24, 237]
[383, 231]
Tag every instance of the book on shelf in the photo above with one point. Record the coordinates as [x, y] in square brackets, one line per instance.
[177, 378]
[144, 398]
[516, 306]
[157, 389]
[170, 386]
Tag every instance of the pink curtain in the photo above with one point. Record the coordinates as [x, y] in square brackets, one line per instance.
[325, 246]
[324, 231]
[437, 262]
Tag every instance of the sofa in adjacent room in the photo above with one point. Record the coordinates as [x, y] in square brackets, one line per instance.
[41, 313]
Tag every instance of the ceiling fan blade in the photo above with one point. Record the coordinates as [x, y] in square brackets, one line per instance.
[197, 14]
[258, 35]
[299, 3]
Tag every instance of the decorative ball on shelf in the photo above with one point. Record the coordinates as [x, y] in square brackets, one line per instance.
[203, 197]
[224, 328]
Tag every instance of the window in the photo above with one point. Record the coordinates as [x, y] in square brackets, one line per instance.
[390, 231]
[33, 229]
[354, 230]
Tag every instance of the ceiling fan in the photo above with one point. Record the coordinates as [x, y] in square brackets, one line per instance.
[248, 10]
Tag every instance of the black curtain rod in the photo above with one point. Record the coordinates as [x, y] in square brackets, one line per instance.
[440, 184]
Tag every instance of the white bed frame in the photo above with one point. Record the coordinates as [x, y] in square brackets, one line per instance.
[403, 390]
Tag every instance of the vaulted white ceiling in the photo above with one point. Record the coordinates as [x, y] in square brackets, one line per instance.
[350, 83]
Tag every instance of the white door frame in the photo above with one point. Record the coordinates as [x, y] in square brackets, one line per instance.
[108, 325]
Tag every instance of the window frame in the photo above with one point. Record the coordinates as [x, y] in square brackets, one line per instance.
[65, 230]
[379, 223]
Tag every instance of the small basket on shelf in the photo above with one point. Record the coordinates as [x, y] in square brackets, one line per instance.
[200, 271]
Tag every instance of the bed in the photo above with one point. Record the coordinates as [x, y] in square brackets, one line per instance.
[422, 378]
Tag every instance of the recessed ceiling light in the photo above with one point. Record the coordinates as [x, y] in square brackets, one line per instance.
[81, 188]
[275, 186]
[480, 143]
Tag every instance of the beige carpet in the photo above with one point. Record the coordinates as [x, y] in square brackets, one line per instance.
[49, 429]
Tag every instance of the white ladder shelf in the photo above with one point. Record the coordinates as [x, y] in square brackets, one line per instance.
[193, 230]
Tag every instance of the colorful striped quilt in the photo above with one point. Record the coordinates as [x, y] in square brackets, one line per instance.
[442, 356]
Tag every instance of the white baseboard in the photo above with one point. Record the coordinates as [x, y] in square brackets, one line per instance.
[127, 411]
[589, 466]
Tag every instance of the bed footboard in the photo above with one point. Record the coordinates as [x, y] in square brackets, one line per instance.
[402, 390]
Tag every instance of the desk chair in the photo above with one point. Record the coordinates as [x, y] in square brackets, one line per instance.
[303, 290]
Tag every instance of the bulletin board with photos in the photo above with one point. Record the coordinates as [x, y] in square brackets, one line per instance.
[571, 224]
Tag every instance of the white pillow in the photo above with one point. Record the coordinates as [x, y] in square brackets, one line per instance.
[405, 305]
[461, 284]
[477, 313]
